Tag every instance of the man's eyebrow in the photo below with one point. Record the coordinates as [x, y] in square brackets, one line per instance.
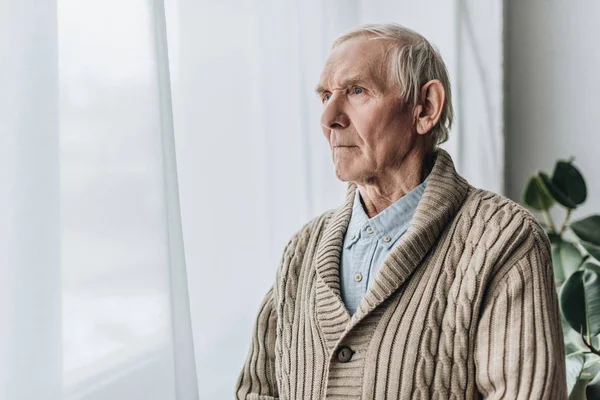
[319, 90]
[353, 81]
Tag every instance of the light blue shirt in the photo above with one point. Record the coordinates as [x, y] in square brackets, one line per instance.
[368, 242]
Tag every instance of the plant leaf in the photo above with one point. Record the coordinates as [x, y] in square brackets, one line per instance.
[569, 180]
[591, 366]
[578, 392]
[588, 229]
[592, 249]
[557, 264]
[591, 284]
[592, 391]
[536, 195]
[572, 301]
[570, 347]
[580, 299]
[554, 237]
[571, 258]
[574, 367]
[556, 193]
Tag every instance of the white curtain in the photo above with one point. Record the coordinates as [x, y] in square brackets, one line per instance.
[93, 289]
[254, 165]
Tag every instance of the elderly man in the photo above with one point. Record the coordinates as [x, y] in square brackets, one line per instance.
[419, 285]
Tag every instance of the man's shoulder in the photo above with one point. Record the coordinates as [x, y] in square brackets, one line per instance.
[299, 241]
[502, 221]
[315, 225]
[486, 206]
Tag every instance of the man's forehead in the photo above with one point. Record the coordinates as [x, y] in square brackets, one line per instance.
[356, 58]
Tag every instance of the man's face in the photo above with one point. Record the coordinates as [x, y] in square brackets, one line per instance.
[368, 127]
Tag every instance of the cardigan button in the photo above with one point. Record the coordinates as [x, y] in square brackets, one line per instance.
[344, 354]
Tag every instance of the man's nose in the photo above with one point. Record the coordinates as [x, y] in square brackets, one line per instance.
[334, 116]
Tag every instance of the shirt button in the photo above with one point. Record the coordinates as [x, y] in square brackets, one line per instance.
[387, 238]
[344, 354]
[369, 229]
[358, 277]
[353, 237]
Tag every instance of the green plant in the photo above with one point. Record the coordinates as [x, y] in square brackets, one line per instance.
[576, 263]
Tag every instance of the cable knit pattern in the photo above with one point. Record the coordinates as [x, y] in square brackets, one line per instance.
[463, 307]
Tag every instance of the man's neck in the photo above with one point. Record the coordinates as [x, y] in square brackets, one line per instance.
[378, 195]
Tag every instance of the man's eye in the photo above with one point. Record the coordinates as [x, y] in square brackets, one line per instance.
[358, 90]
[326, 97]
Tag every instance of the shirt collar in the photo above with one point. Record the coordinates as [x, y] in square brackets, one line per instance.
[391, 222]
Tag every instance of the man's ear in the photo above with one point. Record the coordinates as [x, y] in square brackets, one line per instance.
[429, 111]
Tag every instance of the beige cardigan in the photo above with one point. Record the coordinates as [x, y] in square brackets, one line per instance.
[464, 306]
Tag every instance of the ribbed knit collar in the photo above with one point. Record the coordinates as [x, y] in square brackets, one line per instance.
[442, 198]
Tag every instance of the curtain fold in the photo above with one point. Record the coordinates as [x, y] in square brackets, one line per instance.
[30, 287]
[186, 384]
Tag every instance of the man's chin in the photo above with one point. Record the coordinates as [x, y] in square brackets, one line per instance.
[344, 175]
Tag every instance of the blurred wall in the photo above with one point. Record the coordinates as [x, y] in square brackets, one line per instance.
[552, 91]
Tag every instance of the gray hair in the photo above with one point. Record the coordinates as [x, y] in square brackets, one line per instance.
[413, 62]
